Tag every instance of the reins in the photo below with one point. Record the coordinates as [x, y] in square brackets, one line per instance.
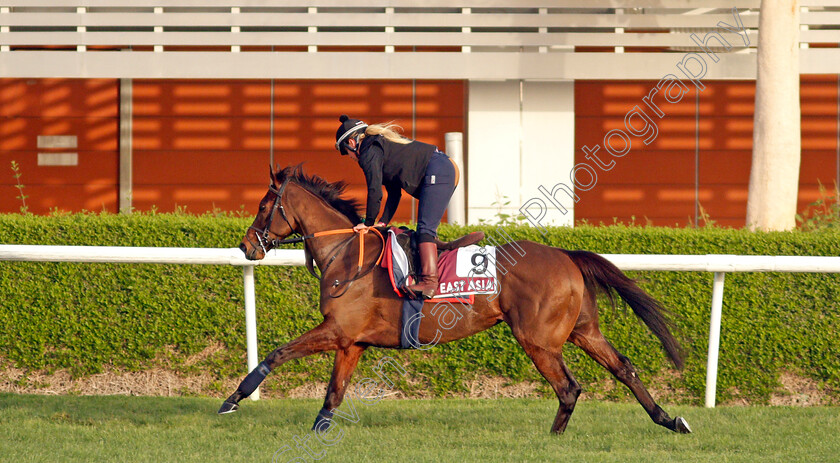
[264, 240]
[338, 249]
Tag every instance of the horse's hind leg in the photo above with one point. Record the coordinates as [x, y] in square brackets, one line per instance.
[345, 363]
[543, 342]
[319, 339]
[551, 366]
[589, 338]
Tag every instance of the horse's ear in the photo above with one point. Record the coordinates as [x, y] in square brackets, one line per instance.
[271, 173]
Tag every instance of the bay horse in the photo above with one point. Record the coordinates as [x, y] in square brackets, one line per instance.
[547, 298]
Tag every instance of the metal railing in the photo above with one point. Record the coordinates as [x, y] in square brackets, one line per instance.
[402, 38]
[159, 255]
[719, 264]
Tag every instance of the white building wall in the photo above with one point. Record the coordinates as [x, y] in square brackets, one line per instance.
[520, 137]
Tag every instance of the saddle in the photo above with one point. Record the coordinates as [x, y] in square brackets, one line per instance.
[407, 240]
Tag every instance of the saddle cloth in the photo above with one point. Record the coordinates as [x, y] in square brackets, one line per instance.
[462, 272]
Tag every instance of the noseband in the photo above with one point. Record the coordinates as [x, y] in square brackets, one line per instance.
[263, 236]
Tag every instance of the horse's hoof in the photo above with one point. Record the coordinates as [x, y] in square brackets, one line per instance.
[681, 426]
[228, 407]
[323, 421]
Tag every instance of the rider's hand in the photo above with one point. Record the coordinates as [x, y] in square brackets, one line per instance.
[361, 228]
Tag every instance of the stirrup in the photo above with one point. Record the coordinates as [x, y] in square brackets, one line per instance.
[413, 294]
[422, 295]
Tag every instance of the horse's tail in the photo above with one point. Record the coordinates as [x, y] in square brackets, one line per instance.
[601, 275]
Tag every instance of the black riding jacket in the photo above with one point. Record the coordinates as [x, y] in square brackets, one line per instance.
[394, 165]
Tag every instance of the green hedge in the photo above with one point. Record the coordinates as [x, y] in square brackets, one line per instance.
[84, 317]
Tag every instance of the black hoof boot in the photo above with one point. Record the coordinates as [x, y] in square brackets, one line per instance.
[681, 426]
[228, 407]
[323, 420]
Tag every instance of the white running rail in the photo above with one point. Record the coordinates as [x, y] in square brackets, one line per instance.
[721, 264]
[716, 263]
[150, 255]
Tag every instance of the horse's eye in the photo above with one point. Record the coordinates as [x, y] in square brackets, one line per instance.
[262, 207]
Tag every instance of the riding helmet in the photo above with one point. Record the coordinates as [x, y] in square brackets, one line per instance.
[347, 128]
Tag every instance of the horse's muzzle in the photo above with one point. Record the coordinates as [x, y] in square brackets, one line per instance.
[250, 255]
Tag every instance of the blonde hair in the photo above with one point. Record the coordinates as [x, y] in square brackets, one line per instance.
[389, 130]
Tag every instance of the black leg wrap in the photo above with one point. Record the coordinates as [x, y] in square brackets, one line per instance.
[324, 416]
[253, 380]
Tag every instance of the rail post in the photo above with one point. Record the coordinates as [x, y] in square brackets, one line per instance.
[251, 321]
[714, 339]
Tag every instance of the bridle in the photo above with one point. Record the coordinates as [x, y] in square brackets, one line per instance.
[265, 240]
[264, 235]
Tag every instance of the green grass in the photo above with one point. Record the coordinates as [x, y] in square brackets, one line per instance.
[154, 429]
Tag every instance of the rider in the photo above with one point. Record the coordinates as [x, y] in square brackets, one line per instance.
[398, 163]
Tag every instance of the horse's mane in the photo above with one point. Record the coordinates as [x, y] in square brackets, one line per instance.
[330, 192]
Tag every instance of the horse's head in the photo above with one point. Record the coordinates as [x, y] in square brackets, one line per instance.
[293, 202]
[273, 221]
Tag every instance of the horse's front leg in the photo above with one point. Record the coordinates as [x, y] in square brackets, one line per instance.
[319, 339]
[345, 363]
